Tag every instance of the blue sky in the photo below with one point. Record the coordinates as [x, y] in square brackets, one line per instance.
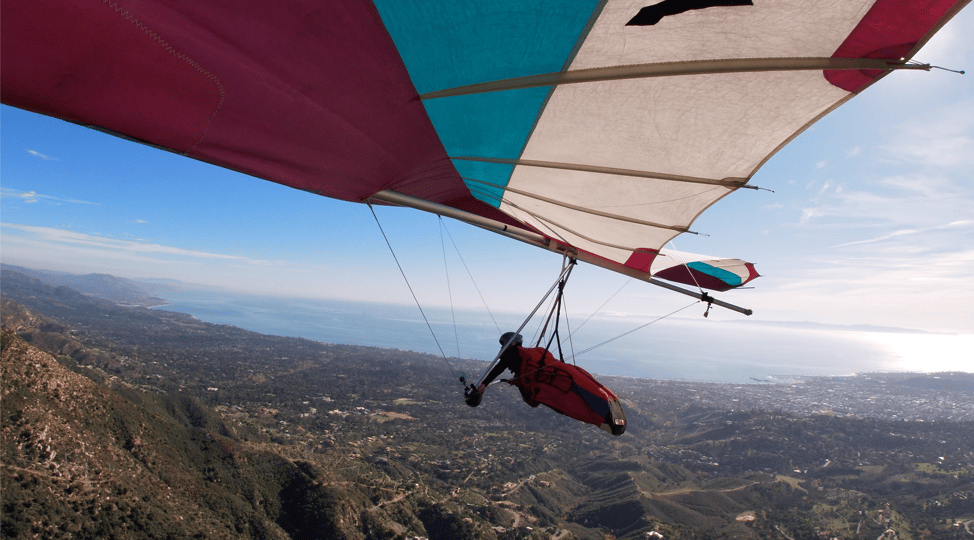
[870, 222]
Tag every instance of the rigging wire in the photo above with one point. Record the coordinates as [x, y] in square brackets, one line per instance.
[538, 334]
[563, 303]
[472, 280]
[689, 271]
[929, 67]
[599, 308]
[554, 309]
[704, 296]
[526, 321]
[449, 289]
[571, 344]
[410, 287]
[593, 347]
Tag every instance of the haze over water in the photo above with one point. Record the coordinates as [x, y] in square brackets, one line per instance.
[676, 349]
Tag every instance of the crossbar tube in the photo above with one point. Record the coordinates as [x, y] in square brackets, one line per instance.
[538, 240]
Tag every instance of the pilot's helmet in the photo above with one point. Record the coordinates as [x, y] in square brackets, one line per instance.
[509, 336]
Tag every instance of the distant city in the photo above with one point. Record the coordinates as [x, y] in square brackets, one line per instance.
[889, 396]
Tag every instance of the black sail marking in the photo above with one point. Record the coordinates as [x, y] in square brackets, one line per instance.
[650, 15]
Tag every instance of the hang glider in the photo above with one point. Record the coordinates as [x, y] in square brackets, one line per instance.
[598, 128]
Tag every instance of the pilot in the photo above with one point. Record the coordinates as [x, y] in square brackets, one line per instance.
[566, 388]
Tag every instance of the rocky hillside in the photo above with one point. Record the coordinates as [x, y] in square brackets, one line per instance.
[92, 462]
[132, 423]
[82, 459]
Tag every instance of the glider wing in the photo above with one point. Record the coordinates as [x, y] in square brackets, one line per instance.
[607, 127]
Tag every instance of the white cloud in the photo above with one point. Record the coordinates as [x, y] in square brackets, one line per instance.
[141, 221]
[887, 287]
[37, 154]
[913, 200]
[72, 257]
[942, 138]
[950, 46]
[809, 214]
[923, 185]
[48, 237]
[824, 189]
[906, 232]
[33, 197]
[854, 152]
[26, 196]
[820, 165]
[260, 262]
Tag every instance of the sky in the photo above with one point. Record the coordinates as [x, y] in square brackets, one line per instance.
[870, 221]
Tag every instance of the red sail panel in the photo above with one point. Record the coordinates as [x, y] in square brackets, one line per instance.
[313, 96]
[891, 30]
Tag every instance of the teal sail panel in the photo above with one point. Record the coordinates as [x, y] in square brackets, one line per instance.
[446, 44]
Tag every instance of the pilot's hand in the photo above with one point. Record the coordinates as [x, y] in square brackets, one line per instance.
[473, 396]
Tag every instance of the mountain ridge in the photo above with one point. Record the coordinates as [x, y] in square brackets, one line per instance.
[106, 286]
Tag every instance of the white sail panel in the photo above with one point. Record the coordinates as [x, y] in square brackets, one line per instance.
[767, 29]
[710, 127]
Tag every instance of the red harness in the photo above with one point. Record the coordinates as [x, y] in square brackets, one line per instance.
[568, 389]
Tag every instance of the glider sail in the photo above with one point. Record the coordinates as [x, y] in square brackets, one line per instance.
[598, 127]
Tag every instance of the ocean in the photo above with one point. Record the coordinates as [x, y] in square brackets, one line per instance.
[671, 349]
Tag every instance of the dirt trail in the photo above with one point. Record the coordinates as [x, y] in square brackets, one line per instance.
[690, 490]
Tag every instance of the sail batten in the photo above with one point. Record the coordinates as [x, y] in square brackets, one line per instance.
[672, 69]
[728, 182]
